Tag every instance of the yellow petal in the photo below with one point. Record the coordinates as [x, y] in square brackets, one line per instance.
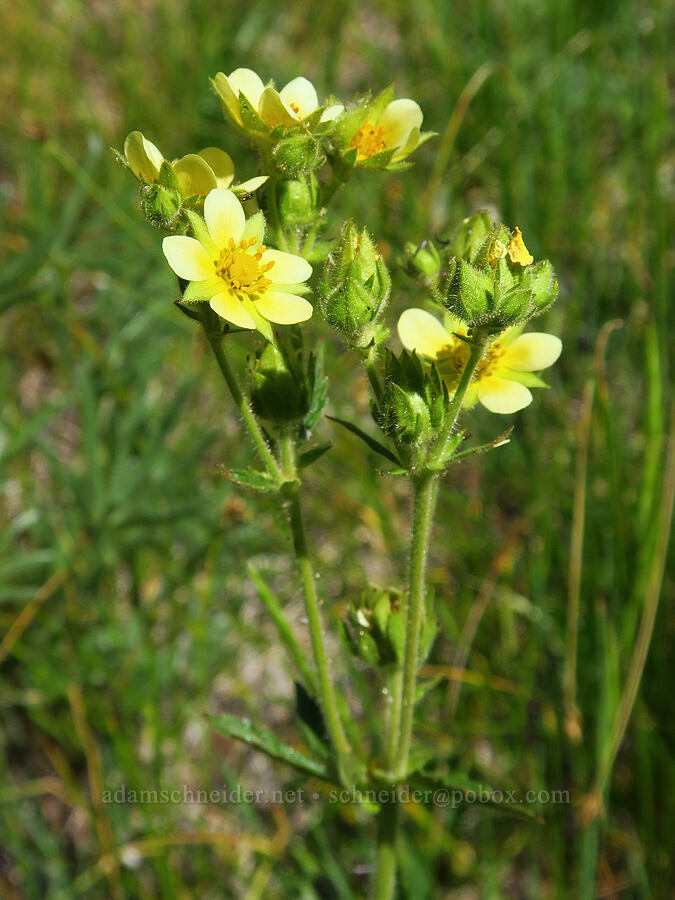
[231, 308]
[398, 120]
[300, 97]
[532, 352]
[221, 164]
[287, 268]
[247, 187]
[227, 95]
[518, 252]
[187, 258]
[422, 332]
[248, 83]
[502, 396]
[284, 309]
[195, 175]
[143, 157]
[273, 110]
[332, 112]
[224, 216]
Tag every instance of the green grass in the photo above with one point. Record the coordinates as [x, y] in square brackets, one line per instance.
[114, 516]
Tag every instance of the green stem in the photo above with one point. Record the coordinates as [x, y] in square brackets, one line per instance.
[273, 209]
[326, 686]
[242, 404]
[387, 831]
[425, 486]
[477, 349]
[369, 359]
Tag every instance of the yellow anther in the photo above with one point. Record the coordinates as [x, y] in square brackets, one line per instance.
[368, 141]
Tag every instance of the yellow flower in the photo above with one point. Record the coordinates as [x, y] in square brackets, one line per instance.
[292, 104]
[196, 173]
[396, 127]
[505, 373]
[244, 282]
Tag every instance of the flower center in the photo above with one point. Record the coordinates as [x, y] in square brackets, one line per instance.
[368, 141]
[242, 270]
[295, 108]
[454, 358]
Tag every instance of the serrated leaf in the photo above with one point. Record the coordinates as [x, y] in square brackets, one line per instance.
[368, 440]
[499, 441]
[251, 479]
[267, 742]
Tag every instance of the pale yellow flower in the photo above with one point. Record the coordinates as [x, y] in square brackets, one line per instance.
[244, 282]
[505, 374]
[197, 173]
[292, 104]
[396, 127]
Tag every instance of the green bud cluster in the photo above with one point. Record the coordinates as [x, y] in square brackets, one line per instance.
[375, 628]
[355, 287]
[491, 282]
[414, 409]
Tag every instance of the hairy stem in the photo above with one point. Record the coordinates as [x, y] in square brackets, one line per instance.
[475, 356]
[325, 682]
[243, 407]
[425, 487]
[387, 831]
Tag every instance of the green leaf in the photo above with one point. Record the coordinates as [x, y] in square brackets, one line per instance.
[367, 439]
[267, 742]
[311, 455]
[251, 479]
[276, 613]
[485, 794]
[319, 384]
[499, 441]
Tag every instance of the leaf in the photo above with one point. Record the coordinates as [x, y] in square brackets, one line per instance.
[267, 742]
[367, 439]
[311, 455]
[276, 613]
[499, 441]
[319, 384]
[251, 479]
[443, 785]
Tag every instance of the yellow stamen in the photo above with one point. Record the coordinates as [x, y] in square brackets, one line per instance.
[518, 252]
[368, 141]
[497, 252]
[455, 356]
[242, 270]
[295, 108]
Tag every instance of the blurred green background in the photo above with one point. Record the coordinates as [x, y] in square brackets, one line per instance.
[124, 606]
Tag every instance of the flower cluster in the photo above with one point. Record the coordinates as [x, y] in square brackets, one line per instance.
[245, 251]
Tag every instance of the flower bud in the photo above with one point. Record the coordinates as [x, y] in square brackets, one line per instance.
[355, 287]
[297, 201]
[297, 153]
[162, 206]
[470, 236]
[375, 628]
[414, 406]
[422, 260]
[279, 392]
[493, 285]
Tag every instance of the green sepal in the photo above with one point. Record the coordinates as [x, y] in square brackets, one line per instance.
[250, 119]
[199, 291]
[254, 227]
